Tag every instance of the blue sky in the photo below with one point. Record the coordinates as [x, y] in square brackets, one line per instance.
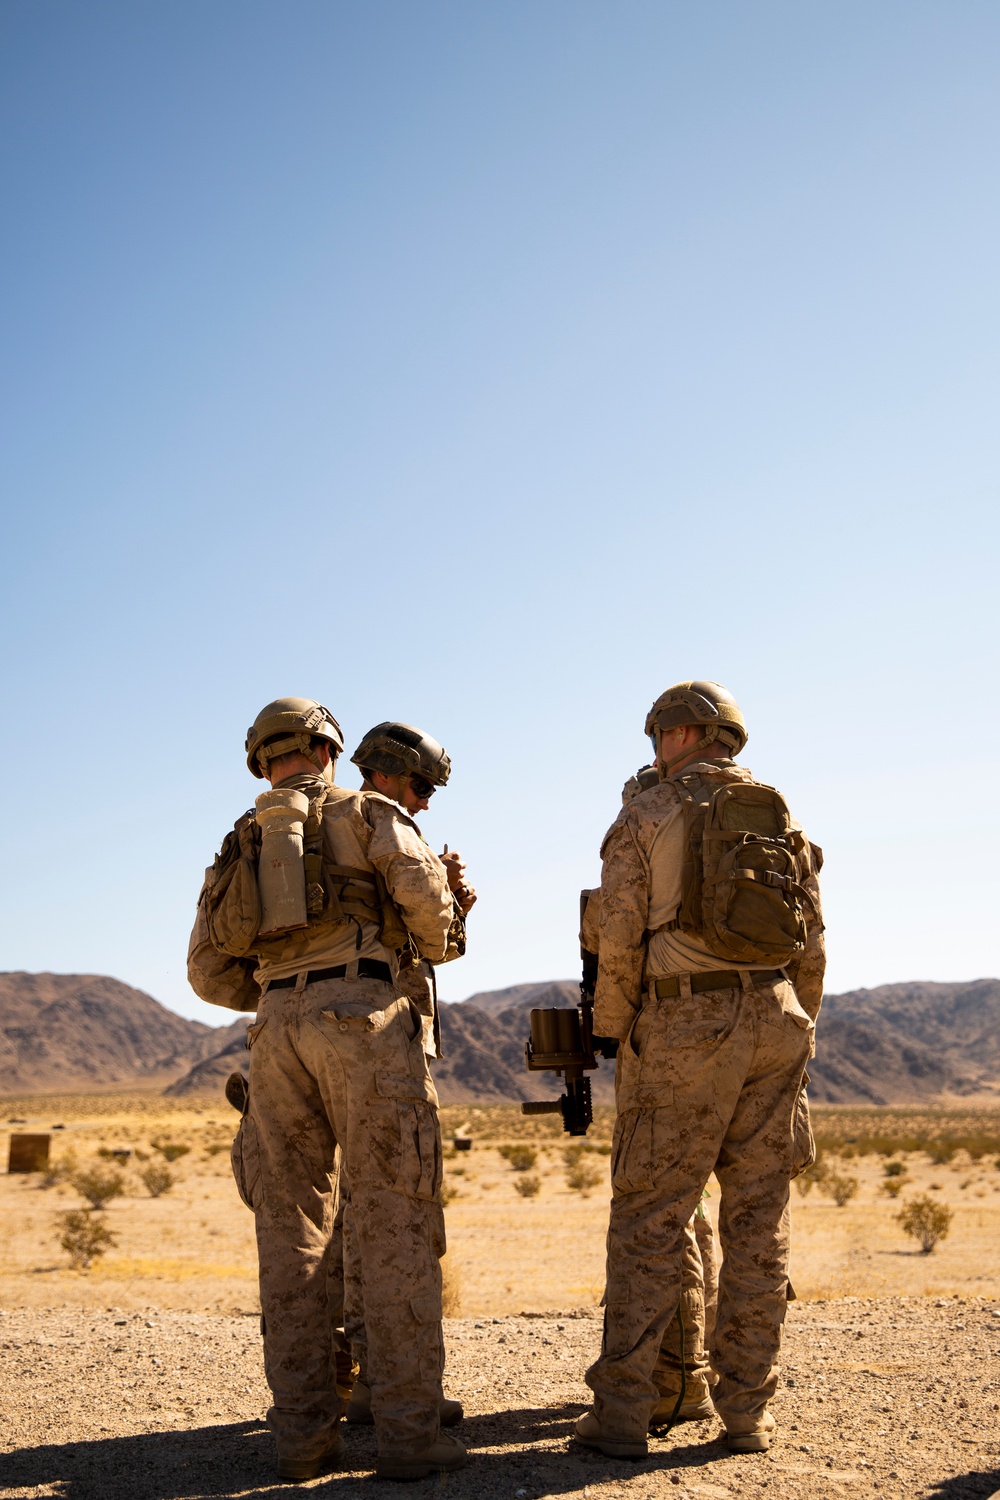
[491, 367]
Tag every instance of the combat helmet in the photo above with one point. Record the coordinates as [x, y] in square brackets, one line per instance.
[707, 703]
[296, 720]
[402, 750]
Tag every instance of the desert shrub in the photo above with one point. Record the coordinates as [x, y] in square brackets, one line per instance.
[171, 1150]
[60, 1171]
[528, 1186]
[924, 1220]
[99, 1185]
[215, 1147]
[893, 1186]
[583, 1176]
[894, 1169]
[521, 1156]
[84, 1237]
[940, 1151]
[157, 1178]
[448, 1191]
[839, 1187]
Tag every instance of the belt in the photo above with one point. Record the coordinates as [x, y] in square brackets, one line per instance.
[368, 968]
[715, 979]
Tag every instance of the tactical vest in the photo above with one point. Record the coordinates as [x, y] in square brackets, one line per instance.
[744, 861]
[342, 885]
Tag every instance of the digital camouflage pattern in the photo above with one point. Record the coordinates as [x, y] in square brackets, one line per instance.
[705, 1084]
[667, 1370]
[342, 1062]
[711, 1082]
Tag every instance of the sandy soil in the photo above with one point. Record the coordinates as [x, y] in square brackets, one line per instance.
[193, 1249]
[895, 1398]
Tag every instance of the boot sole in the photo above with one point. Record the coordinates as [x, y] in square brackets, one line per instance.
[293, 1471]
[614, 1449]
[387, 1469]
[748, 1442]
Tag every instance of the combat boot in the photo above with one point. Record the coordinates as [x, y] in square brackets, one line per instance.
[439, 1457]
[696, 1406]
[298, 1469]
[359, 1408]
[755, 1438]
[588, 1431]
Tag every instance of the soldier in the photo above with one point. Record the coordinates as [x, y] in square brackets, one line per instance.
[705, 894]
[336, 1060]
[678, 1372]
[404, 763]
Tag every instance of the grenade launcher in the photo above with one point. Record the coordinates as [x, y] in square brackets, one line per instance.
[563, 1042]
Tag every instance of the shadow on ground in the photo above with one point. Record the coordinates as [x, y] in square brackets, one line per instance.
[238, 1459]
[964, 1486]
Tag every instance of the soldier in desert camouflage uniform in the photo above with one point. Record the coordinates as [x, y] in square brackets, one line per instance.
[337, 1058]
[401, 762]
[710, 1077]
[699, 1248]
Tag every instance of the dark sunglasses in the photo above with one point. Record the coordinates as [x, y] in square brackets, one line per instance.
[421, 787]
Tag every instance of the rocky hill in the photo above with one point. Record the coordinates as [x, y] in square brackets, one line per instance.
[918, 1042]
[908, 1043]
[86, 1031]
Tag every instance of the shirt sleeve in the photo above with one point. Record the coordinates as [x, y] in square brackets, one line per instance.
[622, 932]
[416, 878]
[808, 971]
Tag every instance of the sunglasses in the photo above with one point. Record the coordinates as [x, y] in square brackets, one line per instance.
[421, 787]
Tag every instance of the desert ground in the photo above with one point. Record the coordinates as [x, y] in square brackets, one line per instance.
[148, 1363]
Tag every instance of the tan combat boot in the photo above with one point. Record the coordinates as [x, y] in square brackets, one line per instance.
[359, 1408]
[591, 1434]
[696, 1406]
[297, 1469]
[439, 1457]
[755, 1437]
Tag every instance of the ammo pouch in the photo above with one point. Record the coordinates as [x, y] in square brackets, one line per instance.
[741, 887]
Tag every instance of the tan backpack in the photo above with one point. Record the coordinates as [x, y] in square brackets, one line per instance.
[741, 888]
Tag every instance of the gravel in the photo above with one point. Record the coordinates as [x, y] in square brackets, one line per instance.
[882, 1398]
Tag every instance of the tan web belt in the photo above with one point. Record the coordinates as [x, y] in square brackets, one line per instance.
[714, 979]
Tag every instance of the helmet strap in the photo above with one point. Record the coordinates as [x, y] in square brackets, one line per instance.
[708, 738]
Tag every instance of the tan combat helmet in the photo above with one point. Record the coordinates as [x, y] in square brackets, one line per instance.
[401, 750]
[296, 720]
[707, 703]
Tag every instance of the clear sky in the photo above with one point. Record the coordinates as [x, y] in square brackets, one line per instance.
[492, 366]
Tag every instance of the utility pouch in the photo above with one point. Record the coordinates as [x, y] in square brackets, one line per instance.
[232, 899]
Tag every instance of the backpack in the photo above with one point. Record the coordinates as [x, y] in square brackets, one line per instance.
[744, 861]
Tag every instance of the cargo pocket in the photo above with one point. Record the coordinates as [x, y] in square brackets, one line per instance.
[644, 1137]
[406, 1138]
[245, 1157]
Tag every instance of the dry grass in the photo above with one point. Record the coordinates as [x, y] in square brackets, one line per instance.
[194, 1248]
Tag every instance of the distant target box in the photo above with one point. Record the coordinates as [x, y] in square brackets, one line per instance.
[28, 1153]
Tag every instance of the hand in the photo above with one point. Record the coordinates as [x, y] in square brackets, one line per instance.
[464, 894]
[454, 866]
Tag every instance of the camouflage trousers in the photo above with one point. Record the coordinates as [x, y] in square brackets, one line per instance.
[683, 1344]
[707, 1082]
[340, 1063]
